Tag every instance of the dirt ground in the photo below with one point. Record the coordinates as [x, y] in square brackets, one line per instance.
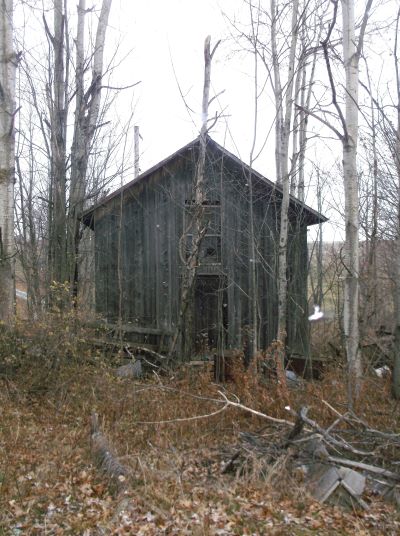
[49, 483]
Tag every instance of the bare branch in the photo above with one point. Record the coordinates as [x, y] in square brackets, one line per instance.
[321, 120]
[255, 412]
[187, 419]
[363, 27]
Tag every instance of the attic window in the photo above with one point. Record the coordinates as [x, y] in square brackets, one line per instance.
[210, 248]
[205, 203]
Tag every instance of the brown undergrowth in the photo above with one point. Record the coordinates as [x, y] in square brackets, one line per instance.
[49, 484]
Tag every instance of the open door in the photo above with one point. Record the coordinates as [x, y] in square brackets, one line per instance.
[210, 313]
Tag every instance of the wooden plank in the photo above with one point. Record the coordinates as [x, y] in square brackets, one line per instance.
[141, 330]
[157, 257]
[365, 467]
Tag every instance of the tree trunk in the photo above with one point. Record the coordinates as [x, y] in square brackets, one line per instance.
[58, 114]
[86, 116]
[351, 287]
[8, 64]
[254, 332]
[278, 94]
[396, 367]
[282, 164]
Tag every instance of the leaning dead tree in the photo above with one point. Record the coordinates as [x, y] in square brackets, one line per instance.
[197, 223]
[8, 64]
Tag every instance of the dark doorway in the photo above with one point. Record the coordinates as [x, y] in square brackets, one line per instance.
[210, 313]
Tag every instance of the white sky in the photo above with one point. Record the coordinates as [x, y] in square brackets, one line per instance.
[167, 36]
[158, 37]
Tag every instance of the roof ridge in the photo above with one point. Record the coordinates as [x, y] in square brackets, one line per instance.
[86, 213]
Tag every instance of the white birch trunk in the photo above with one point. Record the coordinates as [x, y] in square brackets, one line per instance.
[277, 93]
[8, 64]
[396, 367]
[305, 100]
[351, 286]
[283, 167]
[253, 343]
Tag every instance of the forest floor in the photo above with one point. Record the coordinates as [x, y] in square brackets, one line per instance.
[49, 483]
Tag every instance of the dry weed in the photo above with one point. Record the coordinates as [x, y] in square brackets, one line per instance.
[48, 483]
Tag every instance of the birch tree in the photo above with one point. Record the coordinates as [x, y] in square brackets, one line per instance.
[8, 64]
[351, 57]
[352, 50]
[383, 221]
[290, 64]
[283, 120]
[396, 155]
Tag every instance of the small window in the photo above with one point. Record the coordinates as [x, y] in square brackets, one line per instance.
[211, 218]
[210, 248]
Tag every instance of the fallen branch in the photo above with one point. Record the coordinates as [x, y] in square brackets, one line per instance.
[186, 419]
[144, 350]
[340, 443]
[254, 412]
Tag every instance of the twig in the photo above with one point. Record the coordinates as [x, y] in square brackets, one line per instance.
[340, 443]
[255, 412]
[386, 435]
[150, 352]
[186, 419]
[340, 416]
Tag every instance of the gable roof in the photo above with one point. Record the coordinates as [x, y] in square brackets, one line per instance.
[312, 216]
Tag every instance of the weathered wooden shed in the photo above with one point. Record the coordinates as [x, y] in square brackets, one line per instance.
[142, 236]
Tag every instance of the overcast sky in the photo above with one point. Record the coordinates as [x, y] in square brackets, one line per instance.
[167, 39]
[160, 43]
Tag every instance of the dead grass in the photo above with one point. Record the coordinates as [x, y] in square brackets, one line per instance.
[49, 485]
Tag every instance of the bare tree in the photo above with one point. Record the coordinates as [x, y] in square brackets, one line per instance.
[197, 223]
[352, 49]
[58, 108]
[351, 57]
[87, 110]
[8, 64]
[282, 37]
[396, 368]
[283, 104]
[52, 172]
